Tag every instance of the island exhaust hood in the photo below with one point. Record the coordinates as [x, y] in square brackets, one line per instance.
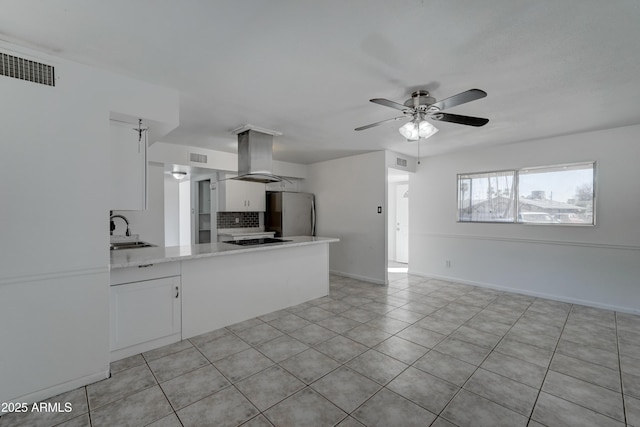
[255, 154]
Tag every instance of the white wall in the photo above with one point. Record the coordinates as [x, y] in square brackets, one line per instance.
[348, 192]
[596, 266]
[171, 211]
[54, 256]
[149, 224]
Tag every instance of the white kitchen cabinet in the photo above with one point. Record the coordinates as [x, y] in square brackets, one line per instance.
[145, 310]
[128, 158]
[241, 196]
[256, 196]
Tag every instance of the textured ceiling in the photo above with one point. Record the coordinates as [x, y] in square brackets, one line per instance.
[308, 68]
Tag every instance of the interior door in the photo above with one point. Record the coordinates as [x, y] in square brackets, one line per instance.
[402, 223]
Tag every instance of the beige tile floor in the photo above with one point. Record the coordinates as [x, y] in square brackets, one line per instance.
[416, 353]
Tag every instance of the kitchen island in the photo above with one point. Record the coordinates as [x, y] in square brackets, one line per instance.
[217, 285]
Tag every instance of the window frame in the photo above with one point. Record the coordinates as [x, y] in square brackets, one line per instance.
[516, 185]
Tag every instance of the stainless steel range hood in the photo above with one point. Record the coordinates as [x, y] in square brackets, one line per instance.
[255, 154]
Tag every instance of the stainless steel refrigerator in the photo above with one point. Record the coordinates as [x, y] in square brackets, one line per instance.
[290, 214]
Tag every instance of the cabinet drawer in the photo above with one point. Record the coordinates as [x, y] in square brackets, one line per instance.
[144, 272]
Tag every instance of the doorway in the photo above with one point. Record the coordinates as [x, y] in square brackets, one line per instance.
[398, 221]
[402, 223]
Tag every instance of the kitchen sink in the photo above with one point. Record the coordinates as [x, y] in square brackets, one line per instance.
[130, 245]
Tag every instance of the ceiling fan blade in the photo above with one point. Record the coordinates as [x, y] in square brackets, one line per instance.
[380, 122]
[461, 98]
[461, 120]
[388, 103]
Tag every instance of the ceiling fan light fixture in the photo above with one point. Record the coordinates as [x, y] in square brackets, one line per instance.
[422, 105]
[178, 175]
[409, 131]
[415, 130]
[426, 129]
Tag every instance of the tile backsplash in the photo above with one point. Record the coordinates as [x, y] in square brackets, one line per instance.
[245, 219]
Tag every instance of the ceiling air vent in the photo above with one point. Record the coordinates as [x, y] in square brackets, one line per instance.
[401, 162]
[198, 158]
[24, 69]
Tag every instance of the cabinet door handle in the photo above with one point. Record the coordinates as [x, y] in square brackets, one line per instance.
[177, 292]
[145, 265]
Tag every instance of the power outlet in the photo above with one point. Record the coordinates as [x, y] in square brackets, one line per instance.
[237, 220]
[447, 263]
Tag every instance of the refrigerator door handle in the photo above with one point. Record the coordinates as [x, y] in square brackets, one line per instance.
[313, 216]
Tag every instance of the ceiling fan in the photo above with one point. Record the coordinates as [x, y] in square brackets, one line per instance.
[422, 105]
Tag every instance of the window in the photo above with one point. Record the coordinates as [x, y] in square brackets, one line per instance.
[486, 197]
[562, 194]
[556, 194]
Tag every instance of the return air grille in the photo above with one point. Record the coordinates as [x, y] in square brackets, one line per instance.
[24, 69]
[198, 158]
[401, 162]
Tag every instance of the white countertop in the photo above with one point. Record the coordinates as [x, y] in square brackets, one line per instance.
[141, 256]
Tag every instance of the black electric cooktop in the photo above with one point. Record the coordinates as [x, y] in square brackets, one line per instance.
[253, 242]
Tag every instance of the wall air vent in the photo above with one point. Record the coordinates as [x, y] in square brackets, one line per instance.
[24, 69]
[401, 162]
[198, 158]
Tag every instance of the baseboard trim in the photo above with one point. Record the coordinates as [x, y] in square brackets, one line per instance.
[358, 277]
[57, 389]
[529, 293]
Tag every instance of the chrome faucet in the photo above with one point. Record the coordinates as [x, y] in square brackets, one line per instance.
[112, 225]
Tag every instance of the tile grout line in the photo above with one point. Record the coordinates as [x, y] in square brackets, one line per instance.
[86, 396]
[622, 393]
[160, 387]
[549, 365]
